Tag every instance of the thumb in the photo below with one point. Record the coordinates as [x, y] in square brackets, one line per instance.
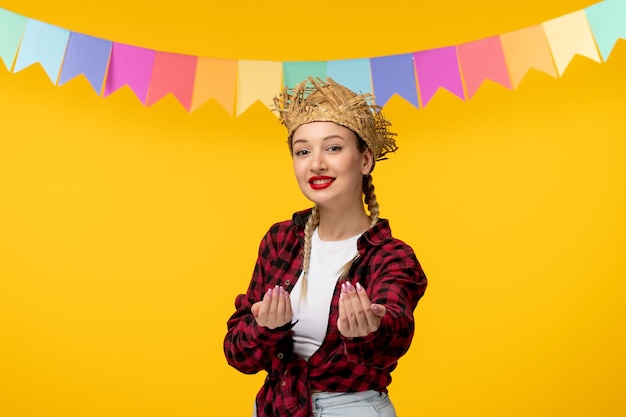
[379, 310]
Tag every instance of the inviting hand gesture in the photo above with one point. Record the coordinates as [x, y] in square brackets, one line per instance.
[274, 310]
[358, 317]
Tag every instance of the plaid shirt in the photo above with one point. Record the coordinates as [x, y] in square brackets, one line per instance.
[389, 271]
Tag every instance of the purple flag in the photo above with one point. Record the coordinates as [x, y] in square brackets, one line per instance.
[438, 68]
[394, 74]
[86, 55]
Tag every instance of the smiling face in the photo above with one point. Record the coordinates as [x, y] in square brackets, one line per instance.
[328, 164]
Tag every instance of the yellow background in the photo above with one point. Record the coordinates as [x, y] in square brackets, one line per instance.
[126, 232]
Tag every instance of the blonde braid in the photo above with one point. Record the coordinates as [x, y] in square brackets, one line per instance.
[311, 224]
[370, 199]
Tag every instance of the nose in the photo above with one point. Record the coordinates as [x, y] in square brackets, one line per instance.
[318, 162]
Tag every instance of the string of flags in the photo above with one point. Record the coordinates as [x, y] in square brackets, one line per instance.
[237, 83]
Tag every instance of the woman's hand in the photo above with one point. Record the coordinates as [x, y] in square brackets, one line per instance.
[274, 310]
[358, 317]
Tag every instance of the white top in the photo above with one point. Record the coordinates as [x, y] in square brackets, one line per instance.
[311, 313]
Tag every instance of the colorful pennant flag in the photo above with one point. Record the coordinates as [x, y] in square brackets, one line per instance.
[215, 78]
[237, 84]
[295, 72]
[483, 60]
[130, 66]
[12, 27]
[438, 68]
[88, 56]
[353, 73]
[175, 74]
[608, 23]
[525, 49]
[257, 81]
[570, 35]
[394, 74]
[45, 44]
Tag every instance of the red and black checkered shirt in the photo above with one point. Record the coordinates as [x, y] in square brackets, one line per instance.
[389, 271]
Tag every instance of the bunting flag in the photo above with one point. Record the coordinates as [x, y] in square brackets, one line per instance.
[394, 75]
[483, 60]
[45, 44]
[607, 24]
[438, 68]
[11, 29]
[570, 35]
[132, 66]
[353, 73]
[215, 79]
[236, 84]
[175, 74]
[294, 72]
[527, 49]
[88, 56]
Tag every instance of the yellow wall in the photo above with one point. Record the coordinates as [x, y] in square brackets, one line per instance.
[126, 232]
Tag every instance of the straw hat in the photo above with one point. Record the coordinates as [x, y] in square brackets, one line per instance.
[315, 100]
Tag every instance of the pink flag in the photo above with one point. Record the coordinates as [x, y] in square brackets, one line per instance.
[132, 66]
[482, 60]
[438, 68]
[175, 74]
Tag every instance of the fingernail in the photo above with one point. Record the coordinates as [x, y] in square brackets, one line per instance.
[343, 287]
[375, 308]
[358, 287]
[350, 287]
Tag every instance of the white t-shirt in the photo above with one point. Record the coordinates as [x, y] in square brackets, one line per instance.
[311, 312]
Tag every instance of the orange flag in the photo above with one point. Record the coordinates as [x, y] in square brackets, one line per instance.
[525, 49]
[215, 78]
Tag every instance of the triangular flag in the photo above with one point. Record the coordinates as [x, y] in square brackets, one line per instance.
[438, 68]
[483, 60]
[525, 49]
[86, 55]
[295, 72]
[570, 35]
[132, 66]
[355, 74]
[175, 74]
[12, 27]
[394, 74]
[215, 78]
[608, 23]
[45, 44]
[257, 80]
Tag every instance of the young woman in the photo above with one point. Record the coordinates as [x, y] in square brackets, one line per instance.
[329, 309]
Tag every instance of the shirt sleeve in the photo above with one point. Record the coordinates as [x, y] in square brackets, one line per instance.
[398, 285]
[249, 347]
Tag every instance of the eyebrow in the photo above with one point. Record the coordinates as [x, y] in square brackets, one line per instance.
[326, 138]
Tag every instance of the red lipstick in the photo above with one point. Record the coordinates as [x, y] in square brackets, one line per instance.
[319, 183]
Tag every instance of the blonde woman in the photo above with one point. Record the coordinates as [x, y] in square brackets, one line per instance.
[329, 309]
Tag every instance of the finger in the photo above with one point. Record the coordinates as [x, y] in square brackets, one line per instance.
[279, 299]
[264, 305]
[369, 315]
[271, 298]
[343, 324]
[358, 317]
[379, 310]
